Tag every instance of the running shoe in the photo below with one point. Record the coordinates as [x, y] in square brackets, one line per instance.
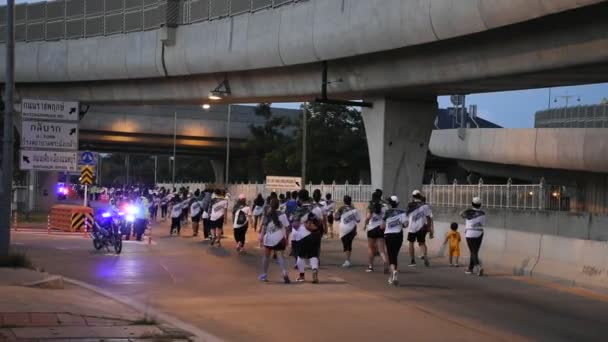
[346, 264]
[427, 263]
[300, 279]
[315, 276]
[263, 278]
[212, 241]
[480, 272]
[390, 280]
[369, 269]
[395, 278]
[412, 264]
[468, 271]
[286, 279]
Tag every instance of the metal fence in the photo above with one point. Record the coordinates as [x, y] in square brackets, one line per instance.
[526, 197]
[358, 192]
[73, 19]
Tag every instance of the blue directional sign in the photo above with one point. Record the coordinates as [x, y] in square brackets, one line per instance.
[87, 158]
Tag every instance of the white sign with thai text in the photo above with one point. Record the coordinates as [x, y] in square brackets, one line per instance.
[50, 110]
[49, 135]
[277, 183]
[49, 161]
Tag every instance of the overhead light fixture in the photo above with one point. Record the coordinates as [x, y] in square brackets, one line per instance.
[221, 91]
[206, 106]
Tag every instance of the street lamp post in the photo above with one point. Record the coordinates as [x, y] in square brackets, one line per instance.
[219, 93]
[304, 143]
[7, 144]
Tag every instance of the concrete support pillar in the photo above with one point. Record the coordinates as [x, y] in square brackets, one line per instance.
[218, 170]
[398, 134]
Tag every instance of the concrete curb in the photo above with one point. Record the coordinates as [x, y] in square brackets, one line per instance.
[50, 282]
[198, 334]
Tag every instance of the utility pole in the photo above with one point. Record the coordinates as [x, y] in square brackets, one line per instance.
[174, 146]
[6, 197]
[304, 142]
[226, 181]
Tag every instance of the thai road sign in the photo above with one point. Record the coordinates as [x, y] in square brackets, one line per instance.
[50, 110]
[49, 135]
[87, 175]
[277, 183]
[88, 158]
[48, 160]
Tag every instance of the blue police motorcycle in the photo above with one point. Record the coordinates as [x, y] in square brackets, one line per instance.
[106, 231]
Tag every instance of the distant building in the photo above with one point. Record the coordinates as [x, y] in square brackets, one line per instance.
[594, 116]
[450, 118]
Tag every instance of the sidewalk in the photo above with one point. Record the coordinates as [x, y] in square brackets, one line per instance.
[31, 313]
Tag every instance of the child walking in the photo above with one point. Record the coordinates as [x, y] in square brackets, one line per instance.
[453, 238]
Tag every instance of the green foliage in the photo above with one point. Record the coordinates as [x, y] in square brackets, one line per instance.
[337, 148]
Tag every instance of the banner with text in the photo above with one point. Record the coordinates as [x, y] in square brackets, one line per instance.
[278, 183]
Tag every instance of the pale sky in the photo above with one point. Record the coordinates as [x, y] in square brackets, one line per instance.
[514, 109]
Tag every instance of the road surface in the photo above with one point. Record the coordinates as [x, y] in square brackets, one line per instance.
[217, 290]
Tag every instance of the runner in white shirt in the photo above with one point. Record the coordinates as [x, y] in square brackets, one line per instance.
[475, 220]
[330, 207]
[258, 211]
[420, 222]
[241, 213]
[375, 235]
[176, 214]
[273, 236]
[307, 225]
[349, 217]
[392, 224]
[217, 213]
[196, 212]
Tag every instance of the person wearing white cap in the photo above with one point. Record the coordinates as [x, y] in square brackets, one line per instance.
[392, 224]
[241, 213]
[475, 220]
[420, 221]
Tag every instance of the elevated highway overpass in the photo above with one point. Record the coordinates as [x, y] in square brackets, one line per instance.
[397, 54]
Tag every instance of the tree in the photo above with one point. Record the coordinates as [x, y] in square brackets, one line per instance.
[337, 148]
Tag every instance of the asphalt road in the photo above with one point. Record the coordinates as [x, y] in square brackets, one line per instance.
[217, 290]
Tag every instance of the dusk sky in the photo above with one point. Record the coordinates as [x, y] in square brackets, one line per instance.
[510, 109]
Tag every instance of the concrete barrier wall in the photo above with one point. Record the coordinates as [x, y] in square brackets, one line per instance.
[570, 248]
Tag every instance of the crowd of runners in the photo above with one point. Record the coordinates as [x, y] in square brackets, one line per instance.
[294, 224]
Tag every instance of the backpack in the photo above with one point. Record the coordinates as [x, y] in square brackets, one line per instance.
[241, 217]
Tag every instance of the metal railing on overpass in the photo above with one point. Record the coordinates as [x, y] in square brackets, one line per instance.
[508, 196]
[74, 19]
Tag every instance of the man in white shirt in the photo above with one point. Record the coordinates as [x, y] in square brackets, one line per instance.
[420, 222]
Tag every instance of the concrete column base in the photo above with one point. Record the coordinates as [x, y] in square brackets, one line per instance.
[218, 170]
[398, 134]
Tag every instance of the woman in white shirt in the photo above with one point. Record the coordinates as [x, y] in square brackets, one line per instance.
[375, 235]
[217, 214]
[273, 236]
[392, 224]
[475, 220]
[240, 213]
[349, 217]
[258, 211]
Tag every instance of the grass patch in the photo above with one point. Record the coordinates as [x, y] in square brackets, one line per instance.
[34, 217]
[16, 260]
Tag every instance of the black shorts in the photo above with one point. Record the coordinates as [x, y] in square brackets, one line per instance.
[310, 246]
[197, 218]
[330, 219]
[375, 233]
[217, 224]
[295, 248]
[419, 236]
[278, 247]
[347, 241]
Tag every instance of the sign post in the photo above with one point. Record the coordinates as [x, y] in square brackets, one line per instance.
[86, 179]
[278, 183]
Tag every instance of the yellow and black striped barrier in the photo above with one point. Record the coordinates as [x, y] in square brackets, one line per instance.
[81, 222]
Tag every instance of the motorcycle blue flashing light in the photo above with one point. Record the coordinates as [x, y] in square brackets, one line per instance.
[106, 215]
